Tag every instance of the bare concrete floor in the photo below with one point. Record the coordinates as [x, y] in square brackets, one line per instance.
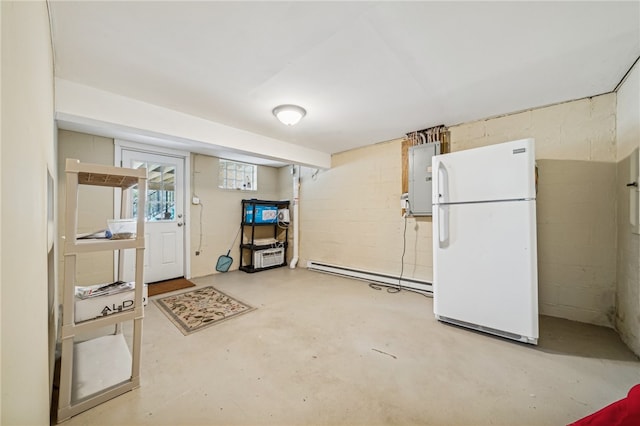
[327, 350]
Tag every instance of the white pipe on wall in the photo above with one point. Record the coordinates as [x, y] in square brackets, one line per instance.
[296, 191]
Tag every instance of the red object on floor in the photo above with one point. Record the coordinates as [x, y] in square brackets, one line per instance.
[625, 412]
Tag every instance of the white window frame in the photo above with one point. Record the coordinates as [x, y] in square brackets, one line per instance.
[245, 179]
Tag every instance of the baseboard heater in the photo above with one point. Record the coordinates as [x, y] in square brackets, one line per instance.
[373, 277]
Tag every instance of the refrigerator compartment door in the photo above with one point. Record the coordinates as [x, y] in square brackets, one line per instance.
[504, 171]
[485, 271]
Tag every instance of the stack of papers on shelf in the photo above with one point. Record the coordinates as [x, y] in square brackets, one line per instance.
[90, 235]
[107, 304]
[103, 289]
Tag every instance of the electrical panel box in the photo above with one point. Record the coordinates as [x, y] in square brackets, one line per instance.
[420, 177]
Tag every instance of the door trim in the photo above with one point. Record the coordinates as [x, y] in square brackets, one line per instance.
[119, 146]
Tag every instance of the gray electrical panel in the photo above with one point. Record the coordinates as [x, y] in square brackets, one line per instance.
[420, 178]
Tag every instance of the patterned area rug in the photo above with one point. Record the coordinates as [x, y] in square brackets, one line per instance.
[201, 308]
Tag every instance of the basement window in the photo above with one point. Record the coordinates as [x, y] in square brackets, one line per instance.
[236, 175]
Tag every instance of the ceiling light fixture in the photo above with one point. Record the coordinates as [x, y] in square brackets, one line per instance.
[289, 114]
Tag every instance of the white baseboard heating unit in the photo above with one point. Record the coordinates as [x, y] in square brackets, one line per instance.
[373, 277]
[268, 257]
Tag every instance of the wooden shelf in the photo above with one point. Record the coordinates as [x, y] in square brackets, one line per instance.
[93, 245]
[102, 175]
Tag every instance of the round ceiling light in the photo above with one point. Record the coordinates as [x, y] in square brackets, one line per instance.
[289, 114]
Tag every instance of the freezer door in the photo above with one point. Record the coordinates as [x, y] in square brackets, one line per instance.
[485, 266]
[504, 171]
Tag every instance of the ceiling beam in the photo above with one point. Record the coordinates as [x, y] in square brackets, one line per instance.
[109, 114]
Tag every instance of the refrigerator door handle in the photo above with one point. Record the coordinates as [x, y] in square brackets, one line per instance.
[443, 226]
[443, 183]
[441, 186]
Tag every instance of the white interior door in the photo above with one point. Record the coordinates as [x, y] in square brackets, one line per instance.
[164, 217]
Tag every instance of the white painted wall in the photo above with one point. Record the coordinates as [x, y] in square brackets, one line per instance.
[27, 153]
[628, 266]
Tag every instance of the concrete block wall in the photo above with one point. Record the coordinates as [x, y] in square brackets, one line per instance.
[579, 130]
[351, 215]
[628, 266]
[221, 214]
[95, 204]
[577, 240]
[627, 320]
[576, 158]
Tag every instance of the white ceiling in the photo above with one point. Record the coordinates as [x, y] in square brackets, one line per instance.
[366, 72]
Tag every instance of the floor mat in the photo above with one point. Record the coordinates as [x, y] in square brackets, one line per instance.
[162, 287]
[201, 308]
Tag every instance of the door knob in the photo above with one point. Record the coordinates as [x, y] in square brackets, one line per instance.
[180, 223]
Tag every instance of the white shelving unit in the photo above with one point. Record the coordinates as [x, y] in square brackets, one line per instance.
[96, 370]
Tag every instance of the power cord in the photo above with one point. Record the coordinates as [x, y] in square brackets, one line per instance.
[283, 225]
[193, 191]
[399, 287]
[404, 250]
[378, 286]
[200, 240]
[277, 244]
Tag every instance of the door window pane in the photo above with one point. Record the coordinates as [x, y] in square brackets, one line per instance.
[161, 179]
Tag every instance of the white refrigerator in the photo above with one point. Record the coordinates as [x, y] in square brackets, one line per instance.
[484, 240]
